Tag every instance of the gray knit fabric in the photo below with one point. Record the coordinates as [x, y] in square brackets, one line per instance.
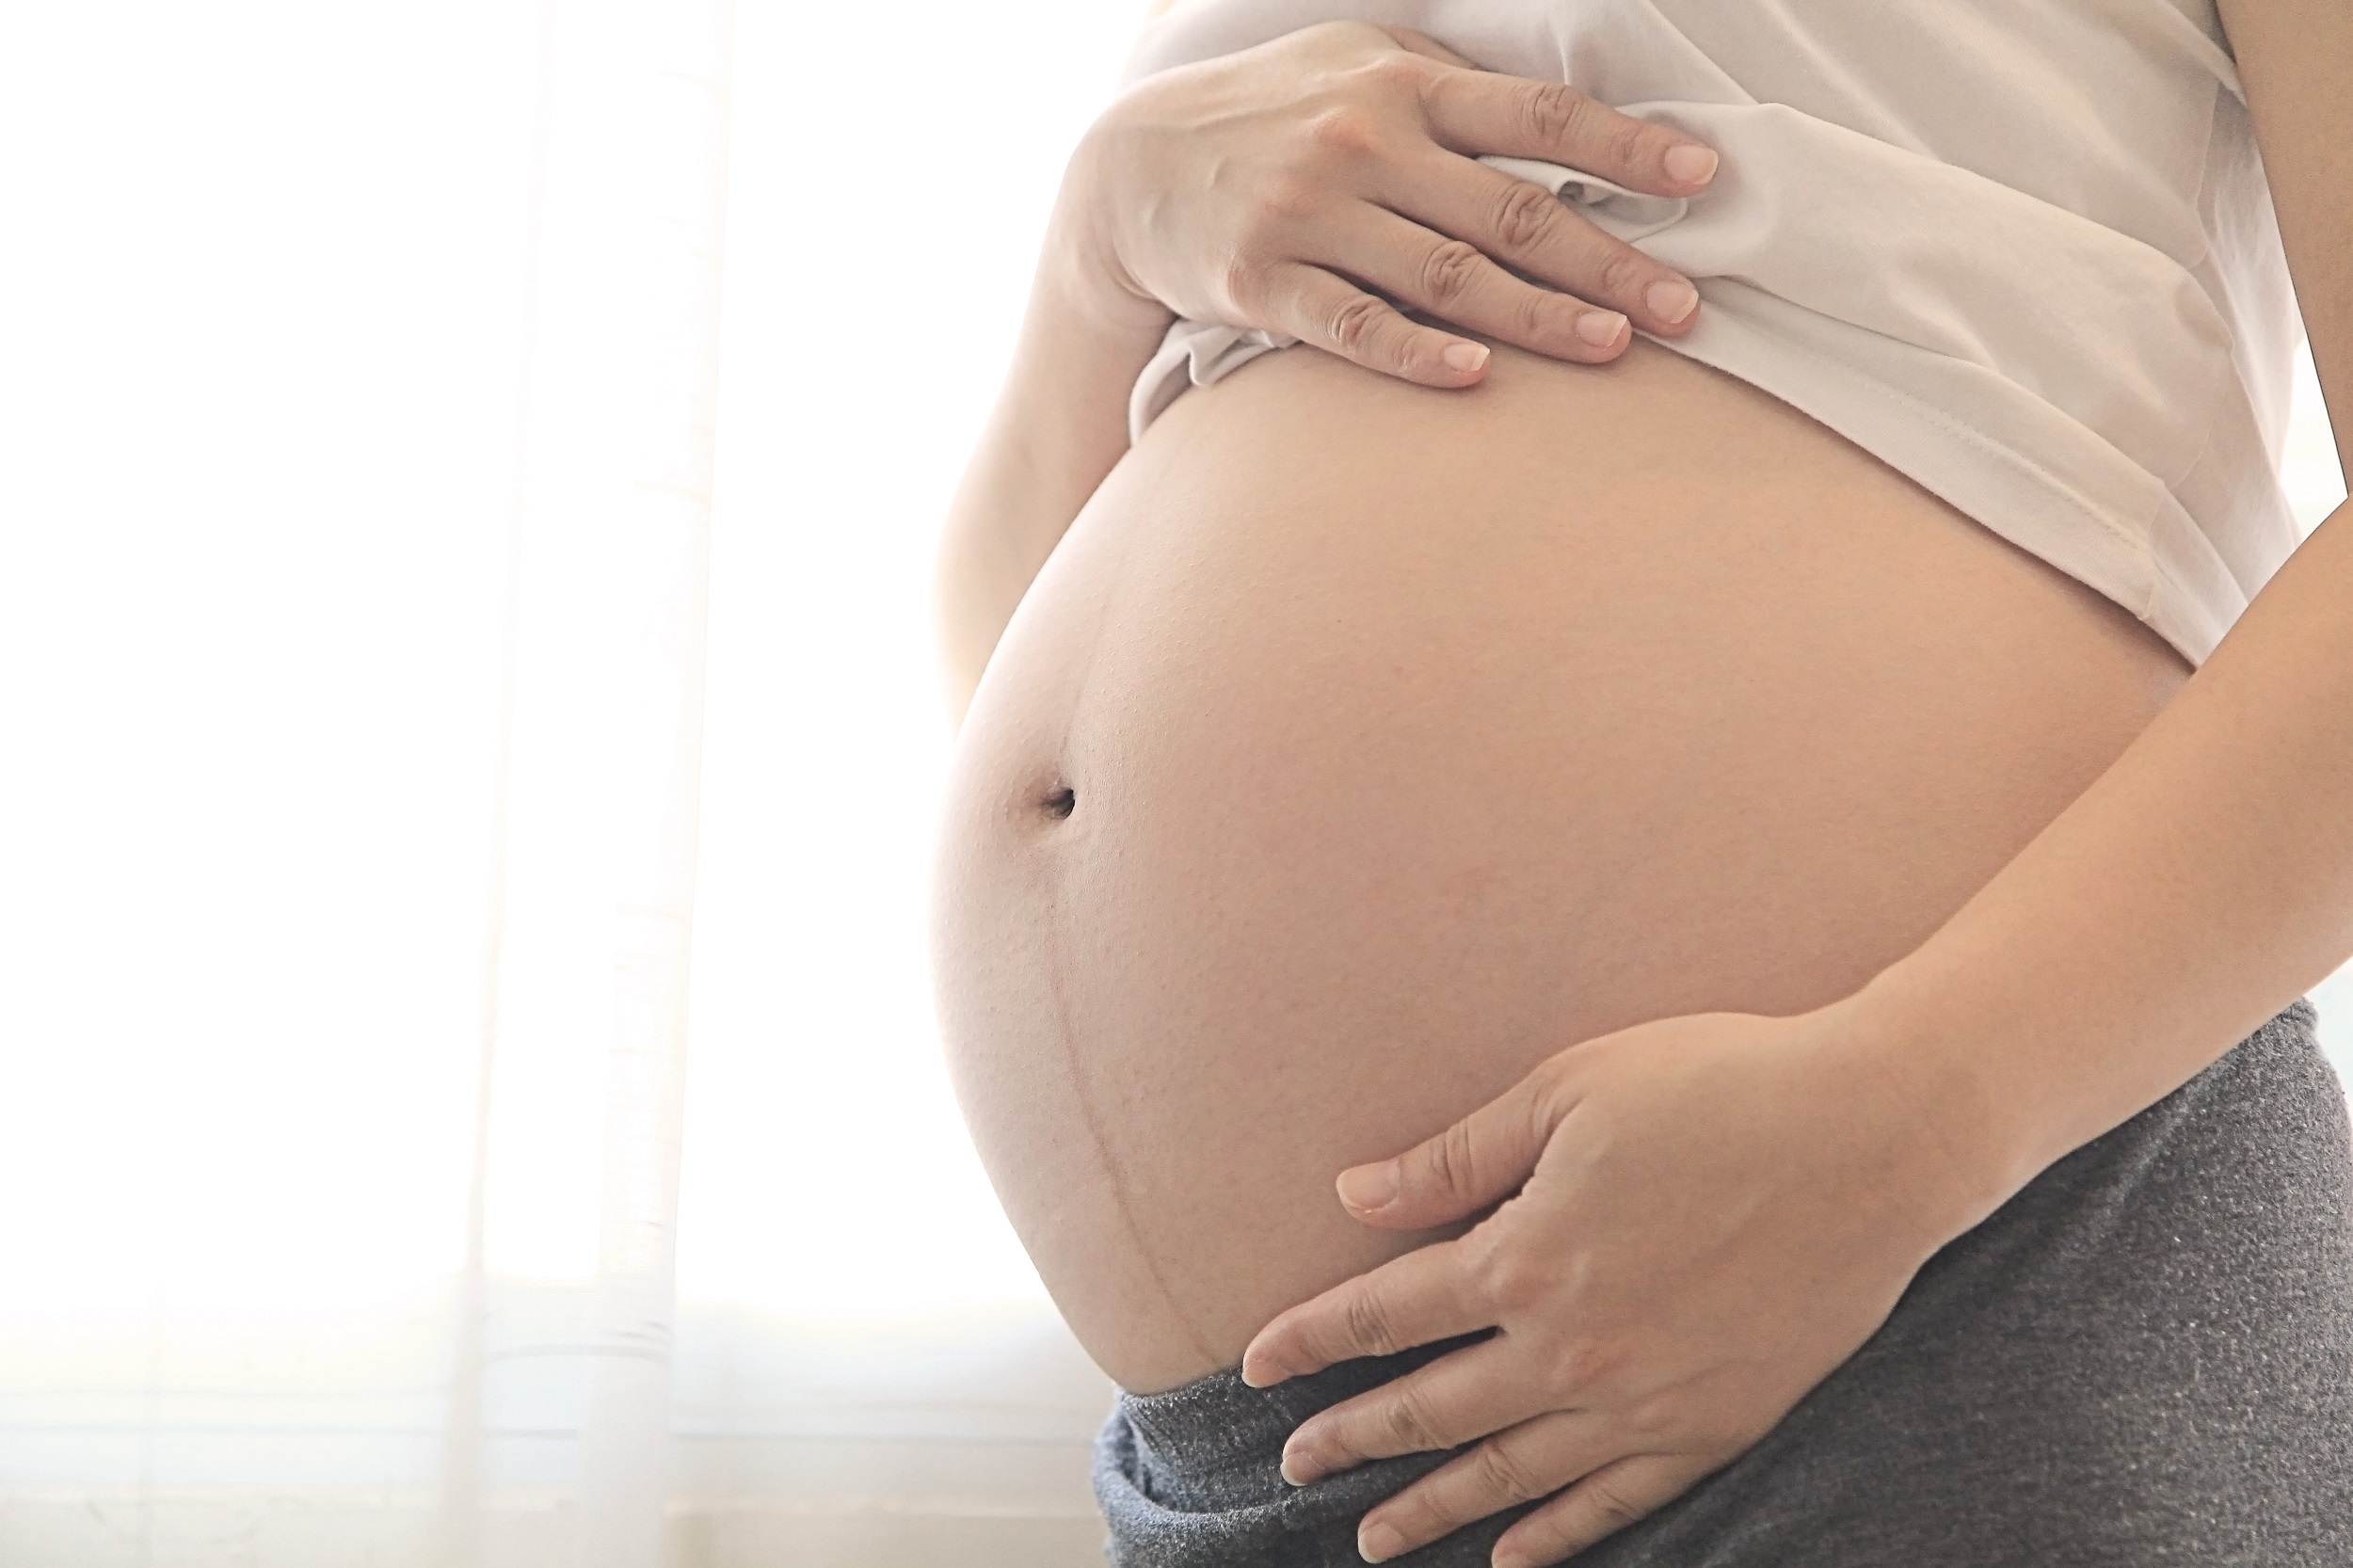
[2144, 1358]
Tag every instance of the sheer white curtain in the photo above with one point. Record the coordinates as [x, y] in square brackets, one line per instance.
[310, 309]
[359, 366]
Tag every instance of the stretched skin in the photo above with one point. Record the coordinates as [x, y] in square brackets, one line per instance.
[1360, 745]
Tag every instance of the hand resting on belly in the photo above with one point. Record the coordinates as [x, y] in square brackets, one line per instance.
[1363, 746]
[1260, 191]
[1261, 188]
[1702, 1218]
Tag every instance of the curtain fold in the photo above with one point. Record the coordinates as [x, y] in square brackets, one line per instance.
[359, 411]
[619, 378]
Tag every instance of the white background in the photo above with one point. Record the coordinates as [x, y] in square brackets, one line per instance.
[257, 347]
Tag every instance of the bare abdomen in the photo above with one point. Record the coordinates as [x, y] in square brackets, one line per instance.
[1362, 746]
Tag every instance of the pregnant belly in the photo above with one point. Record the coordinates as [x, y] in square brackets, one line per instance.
[1362, 746]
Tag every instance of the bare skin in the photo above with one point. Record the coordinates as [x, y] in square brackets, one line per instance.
[1808, 1163]
[1410, 735]
[1367, 718]
[1266, 189]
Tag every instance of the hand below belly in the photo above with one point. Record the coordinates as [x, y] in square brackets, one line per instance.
[1362, 746]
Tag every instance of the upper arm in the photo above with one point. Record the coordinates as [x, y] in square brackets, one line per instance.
[2296, 60]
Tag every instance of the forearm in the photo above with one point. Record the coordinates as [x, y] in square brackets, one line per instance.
[1058, 426]
[2206, 879]
[2202, 883]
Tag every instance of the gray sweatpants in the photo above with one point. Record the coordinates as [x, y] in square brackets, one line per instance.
[2144, 1358]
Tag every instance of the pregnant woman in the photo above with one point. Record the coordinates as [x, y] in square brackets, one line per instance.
[1708, 748]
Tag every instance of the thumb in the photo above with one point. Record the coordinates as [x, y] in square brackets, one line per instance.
[1481, 1158]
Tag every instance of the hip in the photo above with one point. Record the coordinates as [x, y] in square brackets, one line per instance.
[2145, 1357]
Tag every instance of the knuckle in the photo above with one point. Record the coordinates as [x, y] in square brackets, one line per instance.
[1556, 112]
[1351, 329]
[1244, 282]
[1541, 314]
[1366, 1324]
[1343, 130]
[1554, 1088]
[1453, 1165]
[1397, 72]
[1611, 1505]
[1513, 1284]
[1624, 141]
[1577, 1365]
[1408, 1425]
[1622, 273]
[1288, 198]
[1499, 1475]
[1526, 215]
[1449, 271]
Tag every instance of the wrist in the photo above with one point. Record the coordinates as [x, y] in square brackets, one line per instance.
[1080, 267]
[1965, 1133]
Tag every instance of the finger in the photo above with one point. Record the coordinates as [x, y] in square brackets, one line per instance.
[1455, 1399]
[1602, 1504]
[1484, 1157]
[1476, 112]
[1319, 308]
[1529, 227]
[1424, 1296]
[1532, 1460]
[1452, 280]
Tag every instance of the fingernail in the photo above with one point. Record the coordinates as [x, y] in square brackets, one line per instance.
[1465, 356]
[1258, 1374]
[1600, 328]
[1298, 1468]
[1671, 299]
[1691, 164]
[1378, 1543]
[1375, 1186]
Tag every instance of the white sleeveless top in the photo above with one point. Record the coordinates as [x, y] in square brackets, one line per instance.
[2020, 249]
